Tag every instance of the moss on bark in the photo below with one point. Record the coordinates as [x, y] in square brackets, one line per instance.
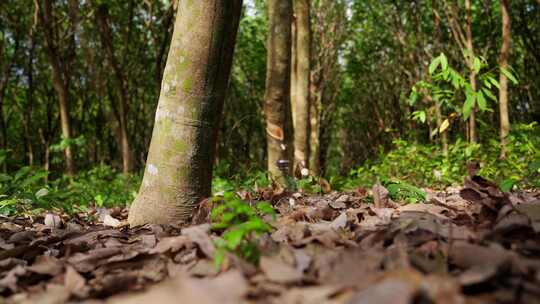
[178, 172]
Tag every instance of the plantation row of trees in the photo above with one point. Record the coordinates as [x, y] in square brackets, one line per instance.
[80, 80]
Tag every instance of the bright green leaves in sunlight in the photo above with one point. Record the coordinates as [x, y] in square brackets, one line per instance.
[241, 223]
[451, 89]
[441, 61]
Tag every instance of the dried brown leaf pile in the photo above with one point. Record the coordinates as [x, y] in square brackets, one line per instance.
[469, 245]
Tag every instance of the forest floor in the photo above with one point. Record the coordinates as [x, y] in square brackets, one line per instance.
[472, 244]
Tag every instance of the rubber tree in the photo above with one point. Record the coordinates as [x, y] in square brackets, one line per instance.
[470, 62]
[61, 64]
[277, 106]
[121, 84]
[300, 89]
[503, 80]
[178, 170]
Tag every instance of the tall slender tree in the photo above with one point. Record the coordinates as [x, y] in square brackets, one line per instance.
[277, 107]
[470, 61]
[503, 80]
[121, 85]
[61, 61]
[300, 90]
[178, 171]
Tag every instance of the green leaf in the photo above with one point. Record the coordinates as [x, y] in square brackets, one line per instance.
[482, 104]
[233, 238]
[508, 74]
[419, 116]
[41, 193]
[4, 178]
[468, 106]
[256, 224]
[507, 185]
[494, 82]
[477, 65]
[219, 257]
[444, 62]
[21, 173]
[413, 97]
[265, 208]
[489, 94]
[434, 64]
[535, 165]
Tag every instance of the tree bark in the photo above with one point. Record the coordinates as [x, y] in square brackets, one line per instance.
[4, 83]
[178, 173]
[472, 75]
[27, 113]
[277, 105]
[315, 109]
[301, 84]
[121, 87]
[503, 80]
[60, 73]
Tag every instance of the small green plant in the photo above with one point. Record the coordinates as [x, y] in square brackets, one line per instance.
[240, 223]
[309, 184]
[400, 190]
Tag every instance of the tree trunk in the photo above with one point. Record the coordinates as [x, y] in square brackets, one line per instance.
[503, 80]
[277, 105]
[65, 122]
[4, 82]
[121, 86]
[3, 87]
[301, 84]
[27, 114]
[60, 74]
[294, 70]
[472, 75]
[178, 171]
[315, 108]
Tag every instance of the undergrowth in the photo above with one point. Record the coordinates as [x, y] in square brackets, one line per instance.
[404, 168]
[28, 191]
[426, 165]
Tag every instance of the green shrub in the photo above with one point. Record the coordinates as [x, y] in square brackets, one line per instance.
[240, 223]
[426, 166]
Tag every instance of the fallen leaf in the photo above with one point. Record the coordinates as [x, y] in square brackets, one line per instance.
[54, 294]
[199, 235]
[75, 283]
[52, 221]
[47, 265]
[9, 281]
[397, 288]
[381, 196]
[228, 288]
[110, 221]
[172, 244]
[340, 222]
[85, 262]
[277, 271]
